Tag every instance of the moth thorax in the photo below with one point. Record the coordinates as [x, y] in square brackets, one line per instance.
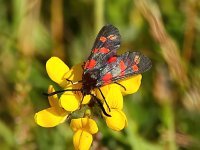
[89, 82]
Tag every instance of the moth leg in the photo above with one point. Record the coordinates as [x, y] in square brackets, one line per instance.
[104, 98]
[69, 81]
[69, 116]
[101, 105]
[73, 82]
[83, 65]
[81, 102]
[120, 85]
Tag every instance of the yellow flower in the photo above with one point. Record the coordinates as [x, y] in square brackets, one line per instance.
[58, 71]
[113, 95]
[52, 116]
[131, 84]
[118, 119]
[127, 86]
[83, 128]
[70, 101]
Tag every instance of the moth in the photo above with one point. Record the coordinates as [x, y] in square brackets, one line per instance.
[104, 66]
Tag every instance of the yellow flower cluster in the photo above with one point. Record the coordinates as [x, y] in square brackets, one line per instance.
[70, 101]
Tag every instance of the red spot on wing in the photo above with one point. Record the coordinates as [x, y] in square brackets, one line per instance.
[137, 59]
[104, 50]
[107, 78]
[103, 39]
[135, 68]
[95, 50]
[112, 59]
[90, 64]
[112, 37]
[122, 67]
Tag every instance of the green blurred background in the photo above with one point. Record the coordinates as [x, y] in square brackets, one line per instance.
[163, 115]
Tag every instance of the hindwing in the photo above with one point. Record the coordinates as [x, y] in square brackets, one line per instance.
[122, 66]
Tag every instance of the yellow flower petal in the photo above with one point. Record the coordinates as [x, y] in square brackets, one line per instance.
[91, 126]
[76, 124]
[104, 89]
[75, 73]
[70, 101]
[86, 98]
[53, 100]
[50, 117]
[86, 124]
[56, 70]
[131, 84]
[82, 140]
[84, 128]
[114, 98]
[117, 121]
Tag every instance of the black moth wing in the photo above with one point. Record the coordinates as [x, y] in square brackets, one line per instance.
[123, 66]
[105, 46]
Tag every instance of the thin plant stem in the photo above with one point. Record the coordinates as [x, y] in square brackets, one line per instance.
[98, 14]
[168, 119]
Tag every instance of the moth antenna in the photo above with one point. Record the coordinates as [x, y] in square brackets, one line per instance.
[60, 91]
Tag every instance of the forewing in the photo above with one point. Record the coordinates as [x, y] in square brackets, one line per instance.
[105, 46]
[122, 66]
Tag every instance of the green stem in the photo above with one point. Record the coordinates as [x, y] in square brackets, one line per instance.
[168, 118]
[99, 14]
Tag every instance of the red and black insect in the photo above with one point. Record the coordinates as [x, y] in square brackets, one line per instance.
[104, 66]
